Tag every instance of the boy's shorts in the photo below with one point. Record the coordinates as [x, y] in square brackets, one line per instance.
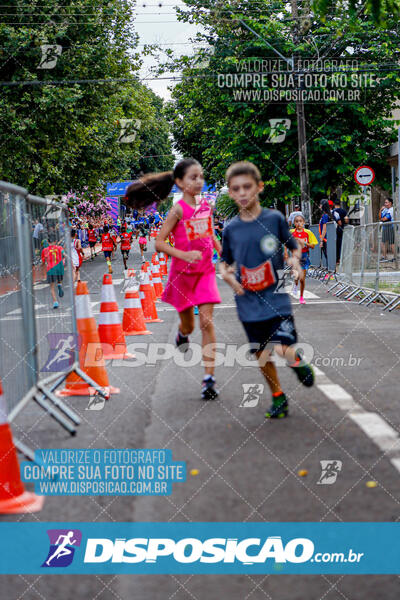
[125, 253]
[279, 330]
[92, 244]
[107, 253]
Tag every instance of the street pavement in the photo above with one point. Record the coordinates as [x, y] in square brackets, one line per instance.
[247, 468]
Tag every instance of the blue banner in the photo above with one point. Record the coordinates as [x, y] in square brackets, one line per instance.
[117, 189]
[200, 548]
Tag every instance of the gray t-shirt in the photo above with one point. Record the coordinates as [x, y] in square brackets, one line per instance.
[259, 243]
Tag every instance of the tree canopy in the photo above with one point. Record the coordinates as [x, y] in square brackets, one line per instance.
[217, 126]
[61, 134]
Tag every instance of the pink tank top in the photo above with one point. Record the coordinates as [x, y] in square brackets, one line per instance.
[194, 232]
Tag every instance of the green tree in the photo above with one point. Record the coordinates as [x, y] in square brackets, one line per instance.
[217, 128]
[62, 135]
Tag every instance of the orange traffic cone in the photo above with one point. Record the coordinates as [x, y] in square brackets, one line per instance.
[163, 265]
[91, 359]
[154, 259]
[133, 322]
[111, 335]
[13, 497]
[157, 283]
[146, 298]
[146, 267]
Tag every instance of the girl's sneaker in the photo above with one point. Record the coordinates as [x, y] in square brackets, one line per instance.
[208, 391]
[279, 408]
[55, 305]
[295, 289]
[182, 342]
[302, 301]
[60, 290]
[196, 310]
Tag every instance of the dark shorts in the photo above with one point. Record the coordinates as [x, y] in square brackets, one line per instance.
[125, 253]
[279, 330]
[388, 234]
[92, 244]
[305, 261]
[107, 253]
[54, 278]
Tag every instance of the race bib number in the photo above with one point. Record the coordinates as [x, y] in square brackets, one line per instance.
[198, 228]
[259, 278]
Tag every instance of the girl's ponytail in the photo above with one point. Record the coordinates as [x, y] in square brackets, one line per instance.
[156, 187]
[153, 187]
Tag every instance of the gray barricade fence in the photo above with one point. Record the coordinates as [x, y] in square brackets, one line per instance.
[39, 344]
[370, 265]
[317, 256]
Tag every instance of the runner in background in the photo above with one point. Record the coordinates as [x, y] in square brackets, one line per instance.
[107, 246]
[254, 241]
[142, 242]
[339, 215]
[192, 278]
[53, 257]
[76, 256]
[92, 236]
[126, 240]
[306, 240]
[326, 218]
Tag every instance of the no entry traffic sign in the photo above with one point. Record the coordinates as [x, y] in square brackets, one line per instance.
[364, 175]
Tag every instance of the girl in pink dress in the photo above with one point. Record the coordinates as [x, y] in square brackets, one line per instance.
[192, 279]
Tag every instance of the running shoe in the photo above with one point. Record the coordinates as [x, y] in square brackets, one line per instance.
[182, 342]
[208, 391]
[60, 290]
[302, 301]
[196, 310]
[279, 408]
[55, 305]
[304, 372]
[143, 260]
[295, 289]
[110, 269]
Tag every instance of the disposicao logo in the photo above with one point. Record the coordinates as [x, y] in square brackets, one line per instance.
[248, 551]
[62, 547]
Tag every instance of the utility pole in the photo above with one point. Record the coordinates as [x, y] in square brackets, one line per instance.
[301, 125]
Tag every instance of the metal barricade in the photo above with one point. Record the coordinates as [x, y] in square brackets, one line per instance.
[39, 343]
[369, 264]
[317, 256]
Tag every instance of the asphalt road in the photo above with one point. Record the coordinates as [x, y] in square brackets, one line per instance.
[248, 468]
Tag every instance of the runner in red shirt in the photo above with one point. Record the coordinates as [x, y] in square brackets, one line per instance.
[107, 245]
[126, 240]
[53, 257]
[306, 240]
[92, 241]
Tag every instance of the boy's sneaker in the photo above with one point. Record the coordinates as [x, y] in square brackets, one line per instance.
[295, 289]
[304, 372]
[279, 408]
[182, 342]
[110, 269]
[302, 301]
[60, 290]
[208, 391]
[196, 310]
[55, 305]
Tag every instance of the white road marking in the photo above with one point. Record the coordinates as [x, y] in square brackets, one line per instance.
[373, 425]
[18, 311]
[40, 286]
[376, 428]
[338, 395]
